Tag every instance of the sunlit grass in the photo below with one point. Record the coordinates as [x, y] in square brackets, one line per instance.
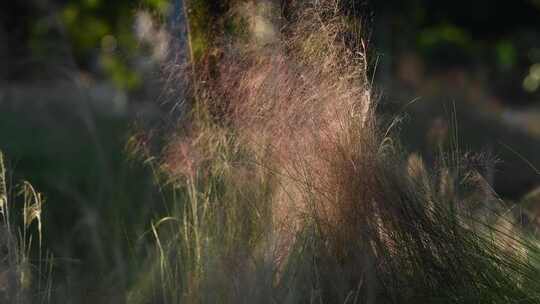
[288, 189]
[25, 273]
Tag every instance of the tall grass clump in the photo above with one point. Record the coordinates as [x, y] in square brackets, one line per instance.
[288, 189]
[23, 279]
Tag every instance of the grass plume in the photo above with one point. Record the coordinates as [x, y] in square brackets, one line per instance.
[22, 279]
[287, 188]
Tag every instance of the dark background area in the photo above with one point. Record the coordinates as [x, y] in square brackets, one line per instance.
[477, 57]
[497, 39]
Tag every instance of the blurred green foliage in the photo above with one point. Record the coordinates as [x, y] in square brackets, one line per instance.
[506, 54]
[498, 39]
[104, 29]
